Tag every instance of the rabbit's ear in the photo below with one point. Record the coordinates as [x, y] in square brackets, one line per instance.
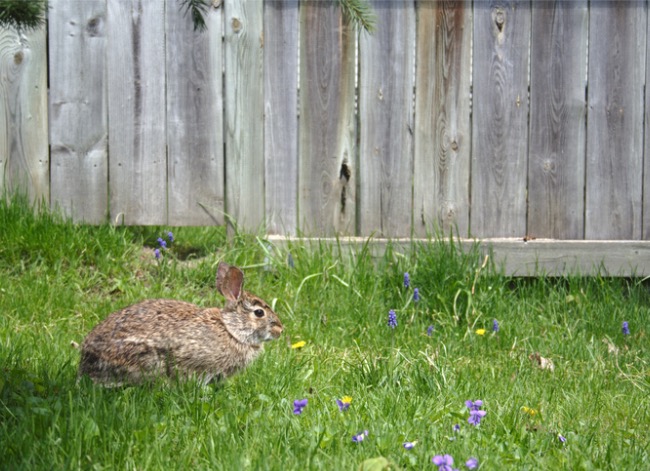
[229, 281]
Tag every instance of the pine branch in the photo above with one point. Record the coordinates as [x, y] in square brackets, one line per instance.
[196, 9]
[22, 14]
[359, 13]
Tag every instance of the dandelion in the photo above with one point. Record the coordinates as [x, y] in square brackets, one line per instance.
[392, 319]
[561, 438]
[443, 462]
[495, 325]
[170, 236]
[407, 280]
[471, 463]
[359, 437]
[156, 254]
[430, 330]
[162, 242]
[299, 405]
[409, 445]
[529, 411]
[416, 295]
[344, 403]
[480, 332]
[626, 328]
[300, 344]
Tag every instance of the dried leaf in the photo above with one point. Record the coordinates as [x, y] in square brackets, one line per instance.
[543, 363]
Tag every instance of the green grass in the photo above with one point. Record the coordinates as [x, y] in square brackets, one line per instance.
[58, 279]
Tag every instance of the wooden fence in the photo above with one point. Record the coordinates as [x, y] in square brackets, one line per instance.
[496, 118]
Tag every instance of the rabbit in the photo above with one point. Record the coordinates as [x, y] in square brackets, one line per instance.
[175, 339]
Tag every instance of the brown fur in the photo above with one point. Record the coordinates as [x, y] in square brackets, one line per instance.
[167, 338]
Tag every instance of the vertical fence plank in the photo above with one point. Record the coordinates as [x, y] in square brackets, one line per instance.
[617, 54]
[194, 118]
[442, 117]
[78, 115]
[281, 32]
[244, 113]
[557, 120]
[327, 166]
[500, 115]
[646, 141]
[24, 159]
[136, 110]
[386, 120]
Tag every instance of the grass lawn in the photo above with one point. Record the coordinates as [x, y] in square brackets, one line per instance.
[562, 386]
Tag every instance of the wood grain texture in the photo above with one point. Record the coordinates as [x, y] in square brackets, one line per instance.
[442, 118]
[244, 112]
[281, 35]
[78, 111]
[136, 110]
[195, 156]
[500, 118]
[617, 39]
[327, 135]
[24, 158]
[557, 148]
[512, 257]
[386, 105]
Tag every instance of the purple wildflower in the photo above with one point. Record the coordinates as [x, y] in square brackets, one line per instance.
[299, 405]
[471, 463]
[475, 412]
[392, 319]
[626, 328]
[359, 437]
[408, 445]
[456, 428]
[170, 236]
[416, 295]
[162, 242]
[475, 405]
[443, 462]
[407, 280]
[430, 330]
[475, 416]
[495, 325]
[343, 405]
[561, 438]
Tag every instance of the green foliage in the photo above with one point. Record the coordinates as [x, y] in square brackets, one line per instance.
[196, 9]
[359, 13]
[58, 279]
[26, 14]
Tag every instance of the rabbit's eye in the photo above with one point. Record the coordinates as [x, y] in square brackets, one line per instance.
[259, 312]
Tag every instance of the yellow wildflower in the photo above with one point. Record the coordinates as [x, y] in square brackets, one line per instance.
[300, 344]
[346, 399]
[480, 331]
[529, 411]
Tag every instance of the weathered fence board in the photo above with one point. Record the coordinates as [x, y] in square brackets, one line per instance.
[244, 112]
[556, 168]
[500, 118]
[136, 110]
[78, 115]
[386, 63]
[327, 135]
[281, 34]
[442, 118]
[194, 138]
[617, 39]
[482, 118]
[24, 159]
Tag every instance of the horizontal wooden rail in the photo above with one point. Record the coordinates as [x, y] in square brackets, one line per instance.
[516, 257]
